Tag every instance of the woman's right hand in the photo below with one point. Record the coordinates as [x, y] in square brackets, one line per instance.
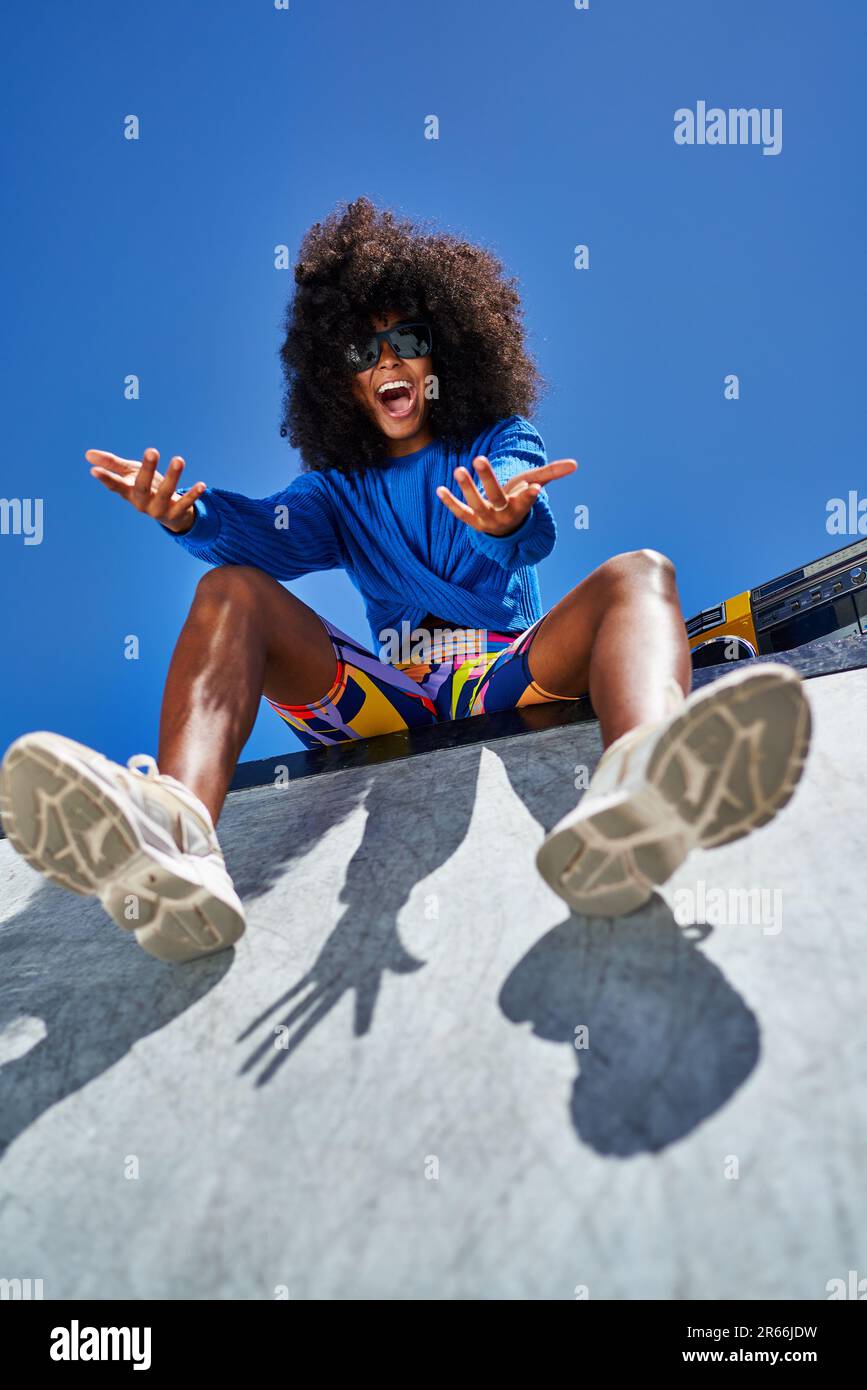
[148, 491]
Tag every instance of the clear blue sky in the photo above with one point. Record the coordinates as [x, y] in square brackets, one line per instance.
[556, 128]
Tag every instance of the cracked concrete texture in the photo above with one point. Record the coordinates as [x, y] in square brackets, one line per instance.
[378, 1094]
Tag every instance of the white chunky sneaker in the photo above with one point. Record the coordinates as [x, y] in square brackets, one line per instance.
[722, 763]
[143, 843]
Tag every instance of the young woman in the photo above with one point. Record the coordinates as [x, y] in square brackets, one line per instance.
[408, 385]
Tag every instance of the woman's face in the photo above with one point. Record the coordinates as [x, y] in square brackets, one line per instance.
[393, 395]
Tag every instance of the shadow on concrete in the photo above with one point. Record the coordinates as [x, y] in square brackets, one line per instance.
[82, 992]
[259, 848]
[668, 1040]
[407, 836]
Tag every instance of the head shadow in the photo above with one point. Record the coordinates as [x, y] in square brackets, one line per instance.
[668, 1040]
[661, 1040]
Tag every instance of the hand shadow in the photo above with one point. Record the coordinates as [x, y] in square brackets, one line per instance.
[409, 832]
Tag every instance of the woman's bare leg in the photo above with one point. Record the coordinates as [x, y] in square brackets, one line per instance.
[619, 635]
[245, 636]
[722, 767]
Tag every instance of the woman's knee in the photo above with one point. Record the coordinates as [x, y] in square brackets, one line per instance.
[235, 583]
[637, 567]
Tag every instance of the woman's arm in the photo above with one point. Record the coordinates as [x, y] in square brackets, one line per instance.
[288, 534]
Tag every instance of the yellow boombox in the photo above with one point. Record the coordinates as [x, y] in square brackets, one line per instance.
[827, 598]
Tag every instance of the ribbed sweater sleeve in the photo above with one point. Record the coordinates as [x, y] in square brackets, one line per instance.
[288, 534]
[515, 447]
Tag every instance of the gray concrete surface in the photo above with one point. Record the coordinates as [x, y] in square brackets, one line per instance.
[430, 1129]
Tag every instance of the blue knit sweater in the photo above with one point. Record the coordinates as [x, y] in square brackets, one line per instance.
[401, 547]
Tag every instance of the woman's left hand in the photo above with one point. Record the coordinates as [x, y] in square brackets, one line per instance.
[502, 509]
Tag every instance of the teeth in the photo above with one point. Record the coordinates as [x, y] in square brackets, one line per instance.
[390, 385]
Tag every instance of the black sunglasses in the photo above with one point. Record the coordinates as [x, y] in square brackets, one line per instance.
[407, 339]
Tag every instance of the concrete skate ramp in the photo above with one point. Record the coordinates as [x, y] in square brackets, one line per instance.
[379, 1093]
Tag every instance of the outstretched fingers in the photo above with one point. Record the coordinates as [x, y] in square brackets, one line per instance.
[162, 496]
[143, 484]
[183, 504]
[458, 509]
[546, 473]
[491, 483]
[147, 490]
[473, 498]
[112, 481]
[101, 458]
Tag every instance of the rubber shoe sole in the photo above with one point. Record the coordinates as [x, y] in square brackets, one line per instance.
[725, 766]
[72, 826]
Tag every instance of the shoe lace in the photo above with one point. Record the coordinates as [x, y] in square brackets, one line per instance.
[143, 764]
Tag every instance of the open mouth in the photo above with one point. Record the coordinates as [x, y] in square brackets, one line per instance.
[396, 398]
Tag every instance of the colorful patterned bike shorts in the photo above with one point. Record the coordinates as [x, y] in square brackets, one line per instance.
[468, 672]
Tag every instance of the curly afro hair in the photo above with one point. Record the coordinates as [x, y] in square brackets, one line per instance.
[361, 262]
